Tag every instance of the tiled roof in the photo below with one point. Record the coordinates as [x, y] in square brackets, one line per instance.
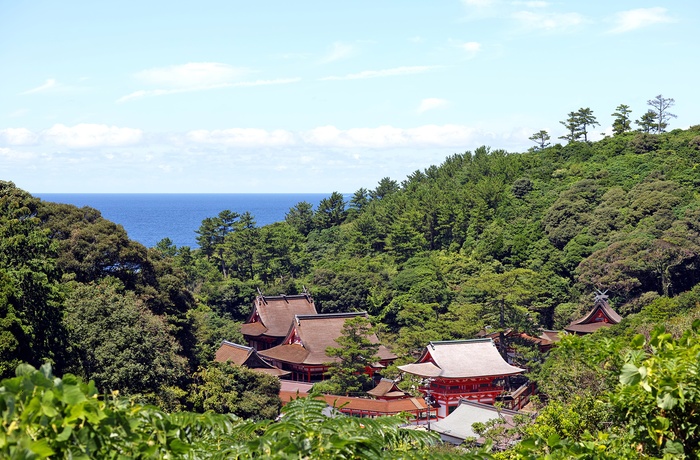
[459, 423]
[246, 356]
[378, 406]
[552, 336]
[253, 329]
[586, 328]
[293, 353]
[276, 314]
[315, 333]
[386, 389]
[588, 322]
[461, 359]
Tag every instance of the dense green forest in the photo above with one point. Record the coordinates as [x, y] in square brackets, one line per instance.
[436, 256]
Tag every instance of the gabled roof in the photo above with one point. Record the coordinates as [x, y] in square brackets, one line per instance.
[601, 315]
[310, 335]
[551, 335]
[543, 340]
[272, 315]
[461, 359]
[459, 423]
[349, 404]
[387, 389]
[246, 356]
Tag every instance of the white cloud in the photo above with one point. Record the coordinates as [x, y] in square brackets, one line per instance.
[243, 137]
[191, 75]
[339, 51]
[471, 48]
[626, 21]
[479, 3]
[407, 70]
[431, 103]
[531, 4]
[49, 84]
[389, 137]
[550, 22]
[92, 135]
[17, 136]
[381, 137]
[194, 76]
[11, 154]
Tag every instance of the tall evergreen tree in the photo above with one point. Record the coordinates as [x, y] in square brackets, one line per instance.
[331, 212]
[301, 217]
[355, 352]
[573, 126]
[541, 139]
[585, 119]
[621, 122]
[647, 123]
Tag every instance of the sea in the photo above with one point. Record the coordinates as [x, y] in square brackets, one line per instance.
[151, 217]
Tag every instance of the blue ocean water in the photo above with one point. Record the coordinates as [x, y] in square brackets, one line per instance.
[149, 217]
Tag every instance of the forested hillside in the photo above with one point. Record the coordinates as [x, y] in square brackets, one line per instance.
[438, 255]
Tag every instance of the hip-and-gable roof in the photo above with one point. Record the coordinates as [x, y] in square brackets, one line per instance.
[461, 359]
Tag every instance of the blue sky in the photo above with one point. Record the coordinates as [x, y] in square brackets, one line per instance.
[315, 96]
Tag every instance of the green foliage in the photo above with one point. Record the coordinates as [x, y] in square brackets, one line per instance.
[621, 123]
[541, 138]
[230, 389]
[330, 212]
[117, 342]
[30, 325]
[355, 353]
[301, 217]
[660, 393]
[91, 247]
[580, 367]
[48, 417]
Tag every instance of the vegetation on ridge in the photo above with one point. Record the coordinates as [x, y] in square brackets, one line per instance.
[437, 256]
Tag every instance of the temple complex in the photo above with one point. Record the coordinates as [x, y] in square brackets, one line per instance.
[303, 350]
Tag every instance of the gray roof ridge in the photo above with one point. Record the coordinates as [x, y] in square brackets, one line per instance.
[450, 342]
[237, 345]
[350, 314]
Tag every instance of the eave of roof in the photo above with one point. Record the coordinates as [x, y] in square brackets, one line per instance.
[587, 328]
[287, 353]
[607, 310]
[277, 312]
[256, 329]
[461, 359]
[459, 423]
[316, 333]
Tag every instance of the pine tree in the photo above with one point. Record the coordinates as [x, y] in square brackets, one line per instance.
[541, 138]
[622, 122]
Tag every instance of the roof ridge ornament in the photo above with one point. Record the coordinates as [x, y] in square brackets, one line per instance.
[600, 295]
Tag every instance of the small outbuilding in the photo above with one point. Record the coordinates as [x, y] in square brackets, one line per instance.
[601, 315]
[457, 427]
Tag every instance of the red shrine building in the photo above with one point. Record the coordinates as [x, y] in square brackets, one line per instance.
[601, 315]
[462, 369]
[268, 323]
[303, 350]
